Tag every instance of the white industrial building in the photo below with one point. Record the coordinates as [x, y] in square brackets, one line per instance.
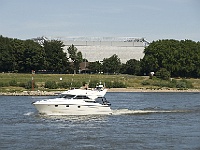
[98, 48]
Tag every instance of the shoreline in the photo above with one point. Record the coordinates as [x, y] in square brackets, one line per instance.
[54, 93]
[151, 90]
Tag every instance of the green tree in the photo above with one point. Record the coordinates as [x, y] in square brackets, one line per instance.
[197, 60]
[189, 58]
[95, 67]
[132, 67]
[76, 57]
[163, 74]
[55, 59]
[180, 58]
[112, 64]
[34, 56]
[17, 52]
[11, 54]
[24, 56]
[6, 62]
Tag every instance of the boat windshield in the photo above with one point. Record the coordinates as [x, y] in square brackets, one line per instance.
[81, 97]
[67, 96]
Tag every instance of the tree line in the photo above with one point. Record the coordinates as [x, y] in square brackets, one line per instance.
[23, 56]
[177, 58]
[167, 58]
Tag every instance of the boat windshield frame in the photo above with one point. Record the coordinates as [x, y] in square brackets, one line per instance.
[81, 97]
[67, 96]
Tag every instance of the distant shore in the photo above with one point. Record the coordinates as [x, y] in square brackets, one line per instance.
[151, 90]
[54, 93]
[14, 83]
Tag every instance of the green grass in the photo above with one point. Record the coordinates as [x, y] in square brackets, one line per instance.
[42, 78]
[130, 81]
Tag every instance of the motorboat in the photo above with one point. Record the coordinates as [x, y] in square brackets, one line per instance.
[76, 102]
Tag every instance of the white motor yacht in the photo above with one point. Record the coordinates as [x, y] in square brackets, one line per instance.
[76, 102]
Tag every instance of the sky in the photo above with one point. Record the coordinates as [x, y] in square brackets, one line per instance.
[150, 19]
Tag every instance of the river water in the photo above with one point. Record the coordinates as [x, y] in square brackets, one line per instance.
[140, 121]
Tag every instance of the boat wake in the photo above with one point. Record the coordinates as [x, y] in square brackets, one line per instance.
[137, 112]
[29, 113]
[127, 112]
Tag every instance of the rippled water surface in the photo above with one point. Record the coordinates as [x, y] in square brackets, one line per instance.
[139, 121]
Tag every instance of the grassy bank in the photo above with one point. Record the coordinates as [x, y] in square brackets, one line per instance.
[12, 82]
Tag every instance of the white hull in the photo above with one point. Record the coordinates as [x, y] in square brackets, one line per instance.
[76, 102]
[64, 109]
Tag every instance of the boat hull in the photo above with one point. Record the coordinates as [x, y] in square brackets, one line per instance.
[72, 109]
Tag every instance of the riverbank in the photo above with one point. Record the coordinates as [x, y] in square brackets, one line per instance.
[151, 90]
[54, 93]
[20, 84]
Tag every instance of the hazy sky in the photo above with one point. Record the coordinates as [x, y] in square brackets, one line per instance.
[151, 19]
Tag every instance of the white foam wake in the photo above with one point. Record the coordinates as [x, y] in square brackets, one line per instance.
[28, 113]
[132, 112]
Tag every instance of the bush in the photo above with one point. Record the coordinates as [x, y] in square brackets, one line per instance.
[93, 83]
[28, 85]
[76, 85]
[108, 84]
[51, 85]
[161, 83]
[13, 83]
[183, 84]
[189, 84]
[21, 84]
[64, 85]
[4, 84]
[163, 74]
[146, 82]
[115, 84]
[172, 83]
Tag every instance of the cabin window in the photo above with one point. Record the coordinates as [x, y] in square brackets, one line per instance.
[90, 101]
[67, 105]
[67, 96]
[56, 105]
[79, 106]
[82, 97]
